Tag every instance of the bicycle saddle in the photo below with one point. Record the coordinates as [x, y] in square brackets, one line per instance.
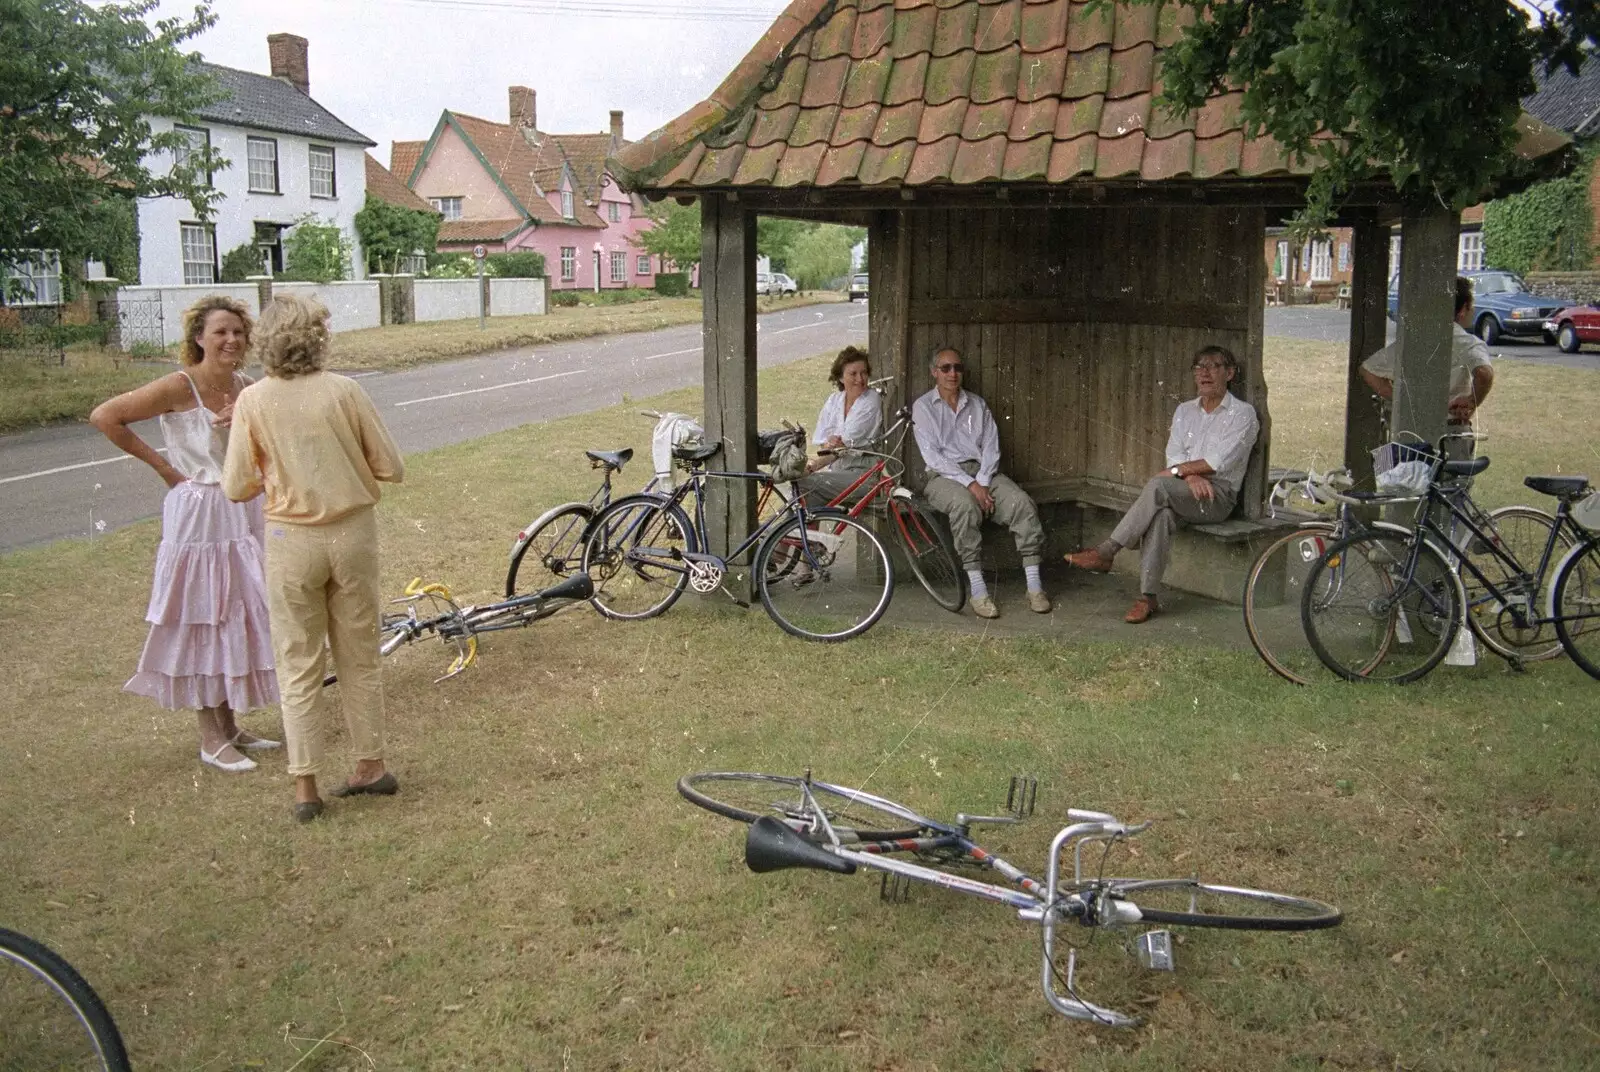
[1466, 467]
[615, 459]
[1562, 487]
[696, 454]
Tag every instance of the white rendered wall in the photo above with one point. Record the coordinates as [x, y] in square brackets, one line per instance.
[137, 325]
[351, 306]
[446, 299]
[516, 297]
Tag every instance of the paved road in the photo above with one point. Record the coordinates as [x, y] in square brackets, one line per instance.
[67, 480]
[1328, 324]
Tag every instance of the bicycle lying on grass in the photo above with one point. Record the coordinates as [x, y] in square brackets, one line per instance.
[800, 822]
[52, 1018]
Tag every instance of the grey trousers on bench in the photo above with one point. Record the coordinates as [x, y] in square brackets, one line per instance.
[1154, 517]
[1012, 508]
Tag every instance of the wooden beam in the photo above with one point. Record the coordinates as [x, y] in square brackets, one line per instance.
[728, 297]
[1253, 488]
[1214, 316]
[1428, 252]
[1369, 323]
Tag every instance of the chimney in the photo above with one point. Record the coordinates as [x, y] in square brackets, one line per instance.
[616, 130]
[288, 55]
[524, 108]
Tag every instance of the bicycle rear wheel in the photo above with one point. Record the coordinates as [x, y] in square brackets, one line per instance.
[1272, 595]
[836, 579]
[1367, 620]
[553, 549]
[930, 553]
[1520, 532]
[1190, 902]
[745, 797]
[52, 1017]
[1575, 596]
[635, 557]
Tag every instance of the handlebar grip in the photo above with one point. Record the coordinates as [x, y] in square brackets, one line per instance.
[1081, 815]
[414, 588]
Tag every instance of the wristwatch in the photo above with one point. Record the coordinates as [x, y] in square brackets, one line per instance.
[1175, 468]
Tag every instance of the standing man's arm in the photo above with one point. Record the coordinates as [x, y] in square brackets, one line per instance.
[241, 470]
[377, 445]
[1380, 385]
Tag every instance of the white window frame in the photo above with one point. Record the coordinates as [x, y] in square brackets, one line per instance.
[644, 264]
[613, 212]
[1321, 260]
[1469, 252]
[567, 207]
[569, 263]
[256, 163]
[1344, 256]
[619, 267]
[1283, 261]
[198, 137]
[448, 207]
[332, 171]
[197, 243]
[39, 276]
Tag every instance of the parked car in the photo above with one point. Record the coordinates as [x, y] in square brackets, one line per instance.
[1574, 326]
[779, 285]
[1501, 305]
[858, 286]
[763, 282]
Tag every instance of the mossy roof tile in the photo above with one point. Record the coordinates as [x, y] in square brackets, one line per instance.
[899, 123]
[825, 82]
[979, 161]
[1042, 75]
[758, 165]
[950, 77]
[840, 163]
[1130, 70]
[985, 120]
[1044, 26]
[1028, 161]
[867, 80]
[1087, 73]
[874, 31]
[856, 124]
[940, 121]
[908, 80]
[995, 74]
[931, 162]
[1029, 120]
[999, 25]
[814, 125]
[913, 31]
[773, 126]
[837, 36]
[955, 29]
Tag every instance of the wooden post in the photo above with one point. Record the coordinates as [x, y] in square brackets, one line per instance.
[1253, 490]
[1369, 295]
[1430, 236]
[728, 295]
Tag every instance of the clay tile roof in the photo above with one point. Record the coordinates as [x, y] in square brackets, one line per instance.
[890, 92]
[385, 187]
[479, 230]
[403, 157]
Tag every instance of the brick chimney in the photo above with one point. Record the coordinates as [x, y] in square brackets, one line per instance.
[616, 130]
[288, 55]
[524, 104]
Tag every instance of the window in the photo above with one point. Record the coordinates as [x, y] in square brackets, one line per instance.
[263, 156]
[1321, 260]
[566, 204]
[35, 281]
[197, 139]
[199, 253]
[644, 264]
[613, 212]
[1470, 255]
[448, 207]
[569, 262]
[619, 267]
[1344, 256]
[322, 184]
[1394, 259]
[1280, 264]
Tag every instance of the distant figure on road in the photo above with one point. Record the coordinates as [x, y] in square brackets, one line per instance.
[208, 648]
[852, 417]
[1471, 374]
[314, 441]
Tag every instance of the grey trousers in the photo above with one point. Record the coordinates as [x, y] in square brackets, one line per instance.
[1154, 517]
[1012, 508]
[825, 485]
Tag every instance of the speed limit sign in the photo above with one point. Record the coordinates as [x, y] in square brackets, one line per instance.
[479, 252]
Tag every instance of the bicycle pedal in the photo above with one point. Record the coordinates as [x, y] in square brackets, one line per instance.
[1021, 795]
[1154, 950]
[894, 889]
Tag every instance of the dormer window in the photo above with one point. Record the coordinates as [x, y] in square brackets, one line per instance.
[566, 204]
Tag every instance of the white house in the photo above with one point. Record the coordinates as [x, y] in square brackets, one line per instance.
[290, 158]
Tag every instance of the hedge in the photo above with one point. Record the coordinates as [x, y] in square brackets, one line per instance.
[672, 284]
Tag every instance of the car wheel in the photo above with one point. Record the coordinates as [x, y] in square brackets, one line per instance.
[1567, 338]
[1489, 330]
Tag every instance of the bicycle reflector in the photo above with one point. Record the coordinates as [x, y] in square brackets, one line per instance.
[1154, 949]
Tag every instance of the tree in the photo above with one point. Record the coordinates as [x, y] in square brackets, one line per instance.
[775, 238]
[676, 234]
[79, 84]
[315, 251]
[822, 255]
[389, 232]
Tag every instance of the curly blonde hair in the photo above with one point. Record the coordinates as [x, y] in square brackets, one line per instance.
[293, 337]
[194, 323]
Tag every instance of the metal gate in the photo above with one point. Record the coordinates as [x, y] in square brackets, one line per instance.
[133, 322]
[32, 333]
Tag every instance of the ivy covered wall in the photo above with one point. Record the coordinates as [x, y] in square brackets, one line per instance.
[1548, 227]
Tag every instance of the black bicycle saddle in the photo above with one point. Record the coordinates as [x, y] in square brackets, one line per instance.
[616, 459]
[696, 454]
[1562, 487]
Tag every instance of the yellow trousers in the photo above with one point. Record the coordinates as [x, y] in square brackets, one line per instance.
[322, 592]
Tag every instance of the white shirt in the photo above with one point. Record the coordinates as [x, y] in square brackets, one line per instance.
[1222, 438]
[860, 428]
[1467, 352]
[949, 437]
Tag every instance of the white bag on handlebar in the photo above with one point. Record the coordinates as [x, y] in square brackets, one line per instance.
[1586, 512]
[673, 430]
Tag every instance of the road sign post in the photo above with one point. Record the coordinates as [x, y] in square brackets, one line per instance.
[480, 254]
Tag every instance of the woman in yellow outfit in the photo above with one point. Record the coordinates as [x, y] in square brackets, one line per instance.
[313, 440]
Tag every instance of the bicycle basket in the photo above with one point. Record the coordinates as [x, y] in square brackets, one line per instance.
[784, 451]
[1403, 468]
[1586, 512]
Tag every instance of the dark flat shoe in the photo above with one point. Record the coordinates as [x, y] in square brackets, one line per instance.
[384, 786]
[306, 811]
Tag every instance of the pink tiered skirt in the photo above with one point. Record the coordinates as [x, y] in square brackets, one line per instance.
[209, 643]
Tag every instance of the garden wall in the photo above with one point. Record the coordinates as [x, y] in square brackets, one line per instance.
[516, 297]
[1575, 288]
[154, 315]
[446, 299]
[351, 306]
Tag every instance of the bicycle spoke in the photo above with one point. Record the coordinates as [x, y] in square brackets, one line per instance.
[837, 579]
[1577, 600]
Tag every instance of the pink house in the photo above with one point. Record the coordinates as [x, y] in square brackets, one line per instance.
[511, 186]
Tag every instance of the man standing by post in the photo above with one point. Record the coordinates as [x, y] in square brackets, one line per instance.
[1207, 452]
[960, 445]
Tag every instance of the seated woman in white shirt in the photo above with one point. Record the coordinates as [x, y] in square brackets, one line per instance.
[852, 417]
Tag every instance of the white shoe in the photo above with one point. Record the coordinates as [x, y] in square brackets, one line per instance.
[1039, 603]
[983, 607]
[238, 766]
[256, 744]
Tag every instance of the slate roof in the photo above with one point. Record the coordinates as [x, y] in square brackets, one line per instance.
[479, 230]
[266, 103]
[385, 187]
[888, 92]
[1569, 102]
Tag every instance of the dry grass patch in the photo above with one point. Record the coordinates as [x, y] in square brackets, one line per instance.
[37, 392]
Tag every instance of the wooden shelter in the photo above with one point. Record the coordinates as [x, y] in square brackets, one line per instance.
[1028, 204]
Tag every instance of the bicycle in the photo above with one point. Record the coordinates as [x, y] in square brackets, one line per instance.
[821, 574]
[35, 1033]
[801, 822]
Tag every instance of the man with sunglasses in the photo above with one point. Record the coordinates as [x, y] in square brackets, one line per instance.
[1207, 451]
[960, 446]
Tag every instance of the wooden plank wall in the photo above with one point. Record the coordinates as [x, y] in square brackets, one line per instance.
[1077, 325]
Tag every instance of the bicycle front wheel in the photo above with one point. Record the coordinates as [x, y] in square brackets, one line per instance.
[635, 557]
[1192, 903]
[553, 548]
[53, 1018]
[930, 553]
[835, 580]
[1272, 595]
[1575, 598]
[1520, 532]
[745, 797]
[1369, 617]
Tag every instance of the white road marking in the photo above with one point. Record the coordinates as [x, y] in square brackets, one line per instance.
[70, 468]
[800, 327]
[675, 353]
[496, 387]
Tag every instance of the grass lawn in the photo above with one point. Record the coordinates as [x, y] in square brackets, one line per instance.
[538, 896]
[36, 392]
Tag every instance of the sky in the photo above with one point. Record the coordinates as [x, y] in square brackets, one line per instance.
[389, 67]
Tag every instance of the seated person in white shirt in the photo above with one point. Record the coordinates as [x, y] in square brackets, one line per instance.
[852, 417]
[1206, 457]
[960, 445]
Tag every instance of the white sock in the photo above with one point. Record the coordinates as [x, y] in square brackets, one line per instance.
[1032, 573]
[975, 581]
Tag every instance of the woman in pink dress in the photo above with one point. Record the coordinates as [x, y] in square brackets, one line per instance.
[209, 649]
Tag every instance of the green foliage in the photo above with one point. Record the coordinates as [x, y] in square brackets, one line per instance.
[672, 284]
[389, 233]
[822, 255]
[526, 264]
[564, 297]
[676, 234]
[315, 251]
[241, 262]
[775, 238]
[452, 264]
[615, 296]
[1547, 227]
[80, 83]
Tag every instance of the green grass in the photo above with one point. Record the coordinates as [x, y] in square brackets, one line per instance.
[38, 392]
[539, 897]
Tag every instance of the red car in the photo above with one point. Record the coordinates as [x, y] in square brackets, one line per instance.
[1574, 326]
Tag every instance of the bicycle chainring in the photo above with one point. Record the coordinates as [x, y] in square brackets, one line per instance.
[705, 577]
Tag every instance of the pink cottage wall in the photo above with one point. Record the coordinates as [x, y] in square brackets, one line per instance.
[620, 237]
[454, 171]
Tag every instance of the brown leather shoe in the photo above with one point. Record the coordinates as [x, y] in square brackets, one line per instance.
[1090, 559]
[1144, 608]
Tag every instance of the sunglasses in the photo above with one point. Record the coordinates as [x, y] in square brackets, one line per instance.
[1214, 366]
[950, 368]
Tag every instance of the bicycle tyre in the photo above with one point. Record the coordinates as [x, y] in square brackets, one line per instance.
[1295, 913]
[745, 797]
[559, 537]
[73, 989]
[930, 552]
[828, 594]
[1577, 585]
[1277, 652]
[613, 533]
[1523, 531]
[1420, 623]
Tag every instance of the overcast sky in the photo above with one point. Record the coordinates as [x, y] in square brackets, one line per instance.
[389, 67]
